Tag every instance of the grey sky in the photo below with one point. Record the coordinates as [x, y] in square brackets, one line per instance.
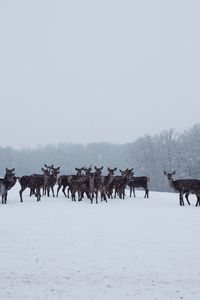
[92, 71]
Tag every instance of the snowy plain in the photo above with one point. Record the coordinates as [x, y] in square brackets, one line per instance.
[136, 248]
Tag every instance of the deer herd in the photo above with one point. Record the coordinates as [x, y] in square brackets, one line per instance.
[85, 183]
[92, 184]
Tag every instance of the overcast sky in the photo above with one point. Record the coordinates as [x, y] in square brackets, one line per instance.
[99, 70]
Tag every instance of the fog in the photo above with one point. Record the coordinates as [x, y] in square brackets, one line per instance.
[93, 71]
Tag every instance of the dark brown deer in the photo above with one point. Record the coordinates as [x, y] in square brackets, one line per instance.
[6, 184]
[97, 181]
[75, 186]
[35, 182]
[139, 182]
[184, 186]
[65, 180]
[105, 182]
[121, 182]
[50, 180]
[46, 171]
[86, 186]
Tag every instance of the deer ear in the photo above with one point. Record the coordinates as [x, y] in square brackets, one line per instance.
[101, 168]
[115, 169]
[165, 173]
[108, 169]
[76, 169]
[174, 172]
[42, 169]
[120, 170]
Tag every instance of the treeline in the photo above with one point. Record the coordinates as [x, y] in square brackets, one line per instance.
[148, 155]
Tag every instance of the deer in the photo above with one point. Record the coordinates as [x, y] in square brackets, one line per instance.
[6, 184]
[65, 180]
[139, 182]
[104, 183]
[34, 182]
[121, 182]
[50, 179]
[97, 181]
[184, 186]
[46, 171]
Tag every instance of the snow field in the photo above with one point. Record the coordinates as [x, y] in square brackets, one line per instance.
[124, 249]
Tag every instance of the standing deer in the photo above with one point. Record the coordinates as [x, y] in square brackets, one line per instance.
[105, 182]
[6, 184]
[139, 182]
[50, 180]
[64, 181]
[184, 186]
[122, 181]
[34, 182]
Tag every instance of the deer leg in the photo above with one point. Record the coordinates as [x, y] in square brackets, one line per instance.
[5, 197]
[88, 194]
[91, 196]
[68, 192]
[52, 189]
[181, 202]
[58, 189]
[198, 201]
[73, 193]
[130, 191]
[37, 194]
[43, 190]
[120, 193]
[20, 193]
[104, 197]
[186, 197]
[97, 198]
[80, 195]
[115, 196]
[146, 193]
[63, 190]
[124, 193]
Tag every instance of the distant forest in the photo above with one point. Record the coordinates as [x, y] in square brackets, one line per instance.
[148, 155]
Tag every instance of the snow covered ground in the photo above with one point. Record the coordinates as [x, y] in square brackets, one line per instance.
[124, 249]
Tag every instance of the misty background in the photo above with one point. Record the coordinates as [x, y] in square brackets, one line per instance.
[148, 155]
